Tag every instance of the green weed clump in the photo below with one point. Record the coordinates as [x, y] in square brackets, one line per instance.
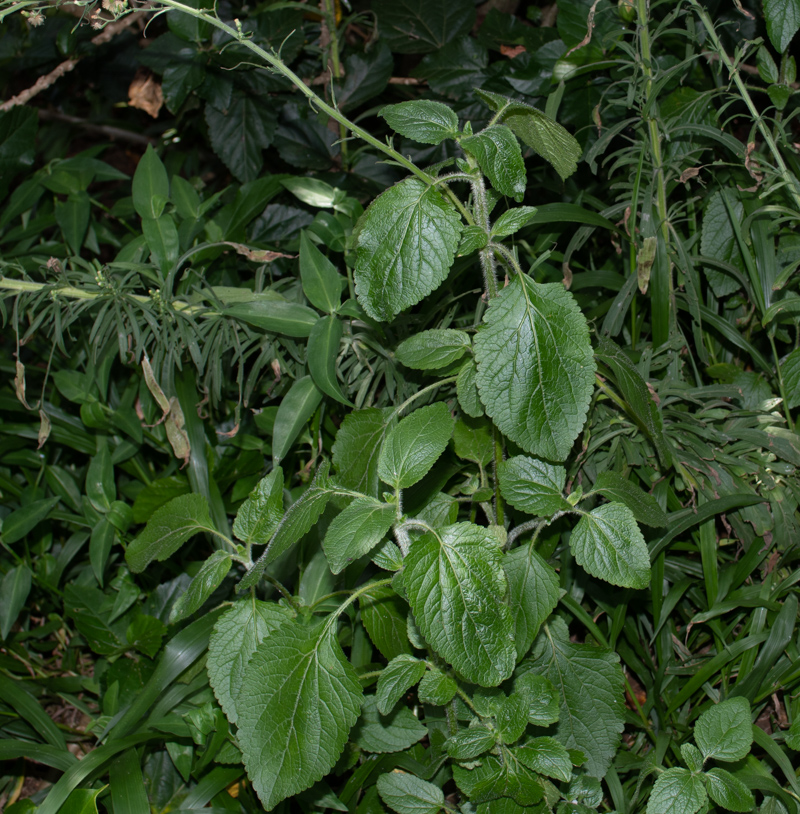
[400, 417]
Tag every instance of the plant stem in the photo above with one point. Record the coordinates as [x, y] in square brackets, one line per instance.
[335, 66]
[661, 332]
[30, 287]
[481, 209]
[362, 590]
[786, 176]
[279, 67]
[419, 393]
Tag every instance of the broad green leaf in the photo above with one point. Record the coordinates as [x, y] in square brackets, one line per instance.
[692, 757]
[203, 584]
[393, 732]
[356, 531]
[366, 75]
[21, 521]
[298, 520]
[167, 530]
[156, 494]
[163, 240]
[237, 634]
[790, 370]
[608, 544]
[512, 717]
[14, 590]
[534, 128]
[259, 515]
[276, 316]
[294, 412]
[456, 585]
[429, 350]
[498, 153]
[792, 736]
[455, 69]
[299, 699]
[467, 390]
[418, 26]
[414, 445]
[472, 440]
[542, 698]
[357, 447]
[321, 353]
[533, 590]
[677, 791]
[145, 634]
[494, 779]
[322, 283]
[469, 743]
[384, 614]
[589, 683]
[150, 187]
[397, 678]
[407, 794]
[436, 688]
[422, 120]
[73, 216]
[407, 241]
[532, 486]
[718, 241]
[783, 20]
[724, 731]
[473, 239]
[728, 791]
[540, 403]
[546, 756]
[644, 507]
[513, 220]
[241, 131]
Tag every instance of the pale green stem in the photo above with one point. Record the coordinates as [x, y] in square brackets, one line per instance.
[278, 66]
[419, 393]
[786, 176]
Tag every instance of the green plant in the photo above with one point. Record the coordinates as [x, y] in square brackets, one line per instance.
[395, 616]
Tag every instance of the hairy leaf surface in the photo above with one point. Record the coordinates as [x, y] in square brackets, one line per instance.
[537, 130]
[724, 731]
[168, 529]
[406, 245]
[356, 531]
[608, 544]
[677, 791]
[422, 120]
[589, 683]
[237, 634]
[456, 585]
[535, 366]
[532, 486]
[497, 152]
[429, 350]
[414, 445]
[533, 589]
[399, 675]
[299, 699]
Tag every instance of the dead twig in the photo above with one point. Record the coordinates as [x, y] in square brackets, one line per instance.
[115, 133]
[44, 82]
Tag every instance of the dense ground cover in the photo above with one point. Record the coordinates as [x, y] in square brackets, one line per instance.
[400, 407]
